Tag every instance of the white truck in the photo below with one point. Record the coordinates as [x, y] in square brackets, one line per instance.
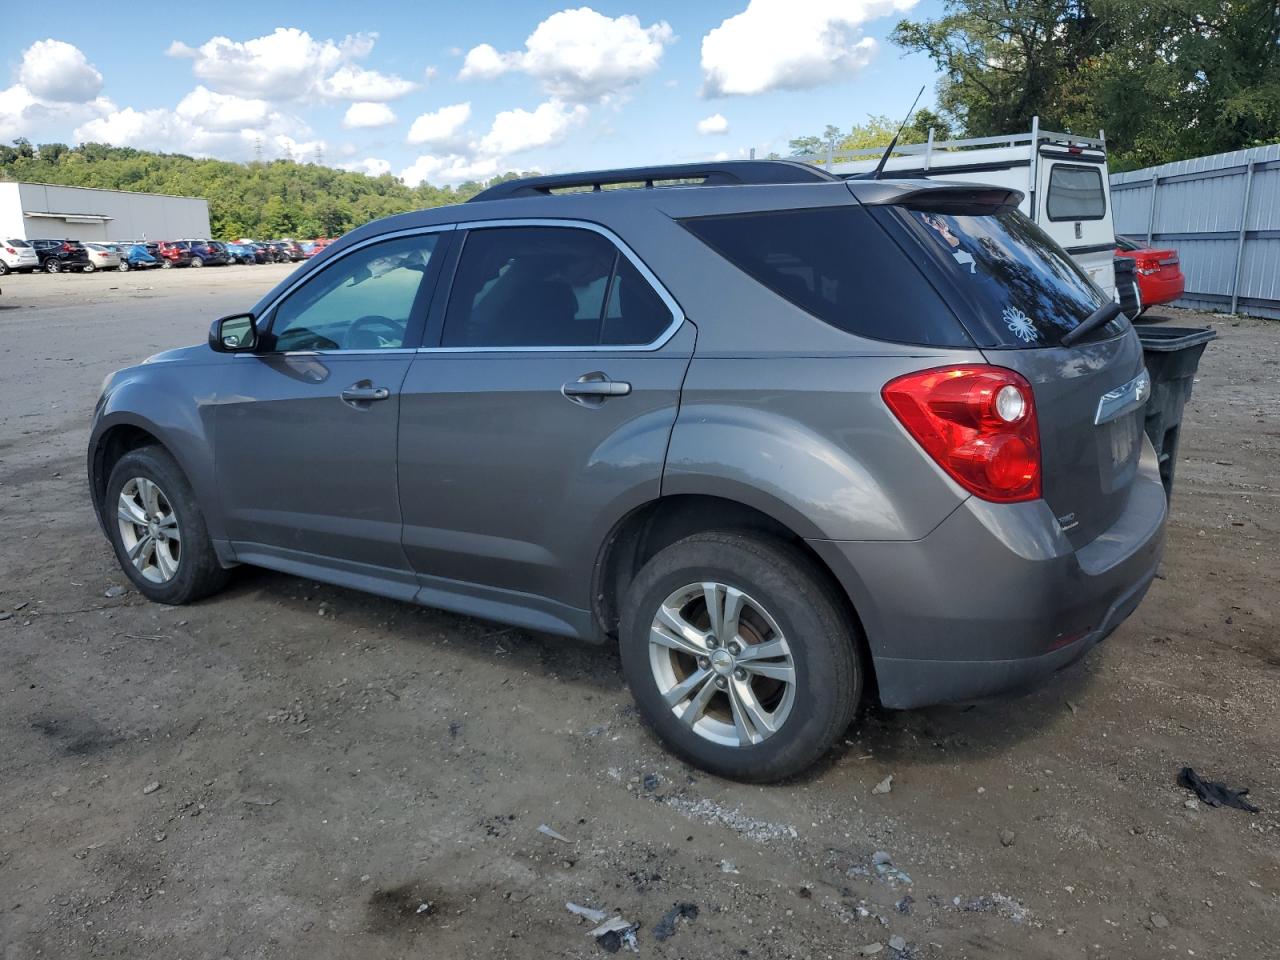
[1067, 191]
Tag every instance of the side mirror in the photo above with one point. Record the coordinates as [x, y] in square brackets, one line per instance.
[234, 334]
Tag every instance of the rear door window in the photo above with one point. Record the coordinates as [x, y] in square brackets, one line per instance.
[1075, 193]
[1022, 289]
[839, 265]
[542, 286]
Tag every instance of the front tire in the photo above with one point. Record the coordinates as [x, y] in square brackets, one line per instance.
[167, 264]
[158, 531]
[740, 655]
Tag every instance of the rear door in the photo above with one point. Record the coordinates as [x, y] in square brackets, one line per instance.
[1074, 208]
[545, 405]
[1018, 293]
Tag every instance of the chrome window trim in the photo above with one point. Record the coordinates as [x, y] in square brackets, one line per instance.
[270, 309]
[677, 315]
[1123, 399]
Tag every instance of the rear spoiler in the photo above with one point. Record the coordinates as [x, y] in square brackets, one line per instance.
[937, 196]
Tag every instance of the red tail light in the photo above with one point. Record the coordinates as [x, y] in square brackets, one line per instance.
[978, 423]
[11, 250]
[66, 247]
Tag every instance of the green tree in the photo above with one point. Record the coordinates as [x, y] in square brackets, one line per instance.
[1166, 79]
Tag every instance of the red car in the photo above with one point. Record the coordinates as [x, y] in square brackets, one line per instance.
[175, 253]
[1159, 275]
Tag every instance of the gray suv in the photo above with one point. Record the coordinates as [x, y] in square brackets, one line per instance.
[789, 440]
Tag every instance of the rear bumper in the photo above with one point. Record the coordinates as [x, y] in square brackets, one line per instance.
[996, 597]
[1156, 289]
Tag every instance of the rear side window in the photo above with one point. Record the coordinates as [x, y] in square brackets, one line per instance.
[839, 265]
[522, 287]
[1022, 289]
[1075, 193]
[18, 243]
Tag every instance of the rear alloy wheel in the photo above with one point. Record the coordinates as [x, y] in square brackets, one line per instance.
[124, 266]
[740, 654]
[89, 267]
[53, 265]
[197, 262]
[4, 269]
[158, 530]
[166, 264]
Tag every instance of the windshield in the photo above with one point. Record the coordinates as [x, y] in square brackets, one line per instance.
[1024, 289]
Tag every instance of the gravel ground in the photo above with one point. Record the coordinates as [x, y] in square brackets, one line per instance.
[294, 770]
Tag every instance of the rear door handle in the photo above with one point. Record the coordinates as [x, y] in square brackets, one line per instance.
[593, 389]
[364, 392]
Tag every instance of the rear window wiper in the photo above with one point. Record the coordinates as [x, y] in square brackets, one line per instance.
[1099, 318]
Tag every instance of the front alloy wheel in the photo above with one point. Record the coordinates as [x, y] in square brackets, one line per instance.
[149, 530]
[722, 664]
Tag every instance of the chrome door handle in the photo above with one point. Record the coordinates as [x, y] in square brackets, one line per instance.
[593, 389]
[364, 392]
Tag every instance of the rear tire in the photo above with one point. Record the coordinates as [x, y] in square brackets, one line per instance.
[4, 269]
[166, 264]
[53, 265]
[89, 267]
[197, 262]
[158, 531]
[756, 725]
[124, 266]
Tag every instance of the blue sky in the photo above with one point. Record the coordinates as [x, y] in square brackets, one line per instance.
[453, 91]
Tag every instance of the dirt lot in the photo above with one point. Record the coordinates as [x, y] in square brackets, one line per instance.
[328, 762]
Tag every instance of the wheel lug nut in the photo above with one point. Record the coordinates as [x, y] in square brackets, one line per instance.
[739, 674]
[735, 649]
[704, 662]
[721, 682]
[712, 642]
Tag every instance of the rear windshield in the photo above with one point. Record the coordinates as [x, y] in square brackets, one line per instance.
[18, 243]
[1075, 193]
[839, 265]
[1023, 289]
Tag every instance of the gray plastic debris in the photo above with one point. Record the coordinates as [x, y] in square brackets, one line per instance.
[884, 867]
[898, 943]
[595, 916]
[544, 829]
[728, 866]
[665, 928]
[884, 786]
[614, 934]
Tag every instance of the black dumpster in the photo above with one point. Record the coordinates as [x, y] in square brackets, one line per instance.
[1172, 355]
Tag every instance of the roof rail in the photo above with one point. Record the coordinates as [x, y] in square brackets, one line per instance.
[717, 174]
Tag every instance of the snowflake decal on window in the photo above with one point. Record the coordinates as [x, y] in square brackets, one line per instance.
[1020, 324]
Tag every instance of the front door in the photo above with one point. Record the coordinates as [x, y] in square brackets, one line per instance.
[305, 438]
[544, 411]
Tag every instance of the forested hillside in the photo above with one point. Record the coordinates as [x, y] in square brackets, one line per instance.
[281, 198]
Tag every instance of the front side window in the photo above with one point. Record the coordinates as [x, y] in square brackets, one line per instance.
[549, 287]
[1075, 193]
[363, 301]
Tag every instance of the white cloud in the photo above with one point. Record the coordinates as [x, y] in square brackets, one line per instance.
[24, 115]
[356, 83]
[449, 169]
[441, 127]
[172, 131]
[289, 64]
[714, 124]
[222, 111]
[366, 114]
[790, 44]
[369, 166]
[57, 71]
[484, 63]
[517, 130]
[578, 55]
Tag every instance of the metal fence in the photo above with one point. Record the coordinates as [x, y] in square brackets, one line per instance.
[1222, 214]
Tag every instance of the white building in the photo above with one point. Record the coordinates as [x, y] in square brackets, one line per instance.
[30, 211]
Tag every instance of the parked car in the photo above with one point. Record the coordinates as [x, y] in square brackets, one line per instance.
[58, 255]
[241, 253]
[174, 253]
[1159, 271]
[102, 256]
[312, 247]
[875, 464]
[17, 256]
[278, 252]
[138, 256]
[292, 249]
[208, 253]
